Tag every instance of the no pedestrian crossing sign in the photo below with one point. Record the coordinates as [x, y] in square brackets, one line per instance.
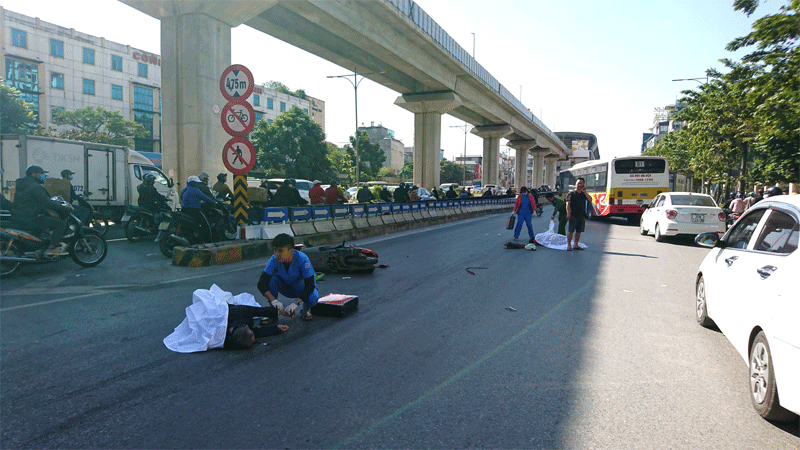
[238, 119]
[239, 156]
[236, 83]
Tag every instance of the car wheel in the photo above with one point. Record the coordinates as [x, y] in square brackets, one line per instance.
[659, 236]
[763, 389]
[702, 304]
[642, 230]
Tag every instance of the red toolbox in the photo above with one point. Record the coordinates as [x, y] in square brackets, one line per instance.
[335, 305]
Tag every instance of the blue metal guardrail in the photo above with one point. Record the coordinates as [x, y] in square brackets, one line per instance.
[328, 212]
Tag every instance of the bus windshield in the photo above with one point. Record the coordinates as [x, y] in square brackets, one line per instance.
[623, 166]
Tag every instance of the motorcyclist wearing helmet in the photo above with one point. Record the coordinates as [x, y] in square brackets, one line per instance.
[221, 189]
[192, 199]
[401, 193]
[333, 195]
[149, 197]
[288, 195]
[364, 195]
[773, 191]
[30, 209]
[203, 186]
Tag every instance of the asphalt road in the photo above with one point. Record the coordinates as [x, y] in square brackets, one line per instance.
[545, 349]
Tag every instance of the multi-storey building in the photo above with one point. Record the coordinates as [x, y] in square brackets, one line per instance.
[392, 148]
[58, 68]
[663, 123]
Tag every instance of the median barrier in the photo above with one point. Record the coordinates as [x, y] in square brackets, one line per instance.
[320, 225]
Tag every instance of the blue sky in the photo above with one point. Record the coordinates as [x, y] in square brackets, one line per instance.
[581, 65]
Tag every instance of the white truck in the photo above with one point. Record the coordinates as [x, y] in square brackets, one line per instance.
[109, 172]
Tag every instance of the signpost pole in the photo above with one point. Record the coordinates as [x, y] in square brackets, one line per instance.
[240, 199]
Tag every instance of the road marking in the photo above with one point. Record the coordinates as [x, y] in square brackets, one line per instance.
[107, 289]
[349, 441]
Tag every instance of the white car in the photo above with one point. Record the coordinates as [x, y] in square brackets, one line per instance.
[674, 213]
[747, 286]
[302, 186]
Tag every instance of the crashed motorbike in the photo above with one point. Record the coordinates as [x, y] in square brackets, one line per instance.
[85, 246]
[340, 258]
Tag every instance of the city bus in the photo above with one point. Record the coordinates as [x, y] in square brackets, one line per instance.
[619, 187]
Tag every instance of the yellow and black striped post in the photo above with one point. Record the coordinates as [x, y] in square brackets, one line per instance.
[240, 199]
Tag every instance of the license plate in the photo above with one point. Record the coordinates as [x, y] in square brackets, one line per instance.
[126, 217]
[163, 226]
[698, 218]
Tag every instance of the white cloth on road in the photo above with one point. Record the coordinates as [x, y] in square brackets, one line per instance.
[551, 239]
[206, 320]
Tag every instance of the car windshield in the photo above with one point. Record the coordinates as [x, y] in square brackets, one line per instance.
[692, 200]
[304, 185]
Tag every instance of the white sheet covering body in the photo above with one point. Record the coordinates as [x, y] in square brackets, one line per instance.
[206, 320]
[551, 239]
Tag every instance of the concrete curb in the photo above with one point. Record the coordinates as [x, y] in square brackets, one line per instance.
[308, 233]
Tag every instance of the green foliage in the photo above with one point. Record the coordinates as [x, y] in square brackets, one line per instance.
[745, 123]
[371, 156]
[341, 163]
[407, 173]
[450, 172]
[16, 116]
[293, 145]
[97, 125]
[280, 87]
[385, 172]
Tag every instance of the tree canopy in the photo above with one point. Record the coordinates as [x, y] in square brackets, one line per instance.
[97, 125]
[370, 154]
[293, 146]
[280, 87]
[745, 123]
[16, 116]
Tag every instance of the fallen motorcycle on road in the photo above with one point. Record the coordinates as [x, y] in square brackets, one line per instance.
[341, 258]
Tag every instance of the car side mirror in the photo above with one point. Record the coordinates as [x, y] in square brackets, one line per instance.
[709, 240]
[171, 183]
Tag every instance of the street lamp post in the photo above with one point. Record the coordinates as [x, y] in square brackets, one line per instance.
[466, 128]
[355, 82]
[693, 79]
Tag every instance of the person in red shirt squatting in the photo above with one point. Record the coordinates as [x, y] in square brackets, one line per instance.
[333, 194]
[316, 194]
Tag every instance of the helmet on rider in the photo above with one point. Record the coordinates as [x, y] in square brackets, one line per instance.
[149, 178]
[290, 182]
[193, 179]
[334, 182]
[774, 190]
[222, 177]
[203, 177]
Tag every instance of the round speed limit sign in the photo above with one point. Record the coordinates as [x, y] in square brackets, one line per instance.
[236, 83]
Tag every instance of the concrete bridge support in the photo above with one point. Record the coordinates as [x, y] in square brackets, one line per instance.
[191, 135]
[550, 174]
[428, 110]
[521, 163]
[491, 150]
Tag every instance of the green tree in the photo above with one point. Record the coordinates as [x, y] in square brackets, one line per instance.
[386, 172]
[293, 145]
[407, 173]
[371, 156]
[450, 172]
[280, 87]
[341, 163]
[98, 125]
[16, 116]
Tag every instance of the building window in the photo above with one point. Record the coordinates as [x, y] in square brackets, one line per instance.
[25, 77]
[56, 48]
[116, 63]
[306, 110]
[88, 86]
[56, 80]
[19, 38]
[88, 56]
[283, 106]
[269, 103]
[259, 116]
[54, 110]
[143, 114]
[116, 92]
[143, 70]
[269, 120]
[256, 100]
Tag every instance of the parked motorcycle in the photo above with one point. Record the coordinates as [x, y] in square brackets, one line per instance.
[182, 230]
[341, 258]
[86, 246]
[139, 223]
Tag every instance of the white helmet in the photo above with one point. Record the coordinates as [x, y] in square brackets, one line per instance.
[194, 178]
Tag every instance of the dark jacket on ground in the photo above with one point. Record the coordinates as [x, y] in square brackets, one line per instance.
[30, 200]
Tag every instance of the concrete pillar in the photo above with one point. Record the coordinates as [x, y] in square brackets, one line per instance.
[550, 170]
[491, 150]
[191, 134]
[428, 110]
[521, 162]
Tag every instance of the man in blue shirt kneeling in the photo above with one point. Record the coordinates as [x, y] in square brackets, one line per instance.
[289, 273]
